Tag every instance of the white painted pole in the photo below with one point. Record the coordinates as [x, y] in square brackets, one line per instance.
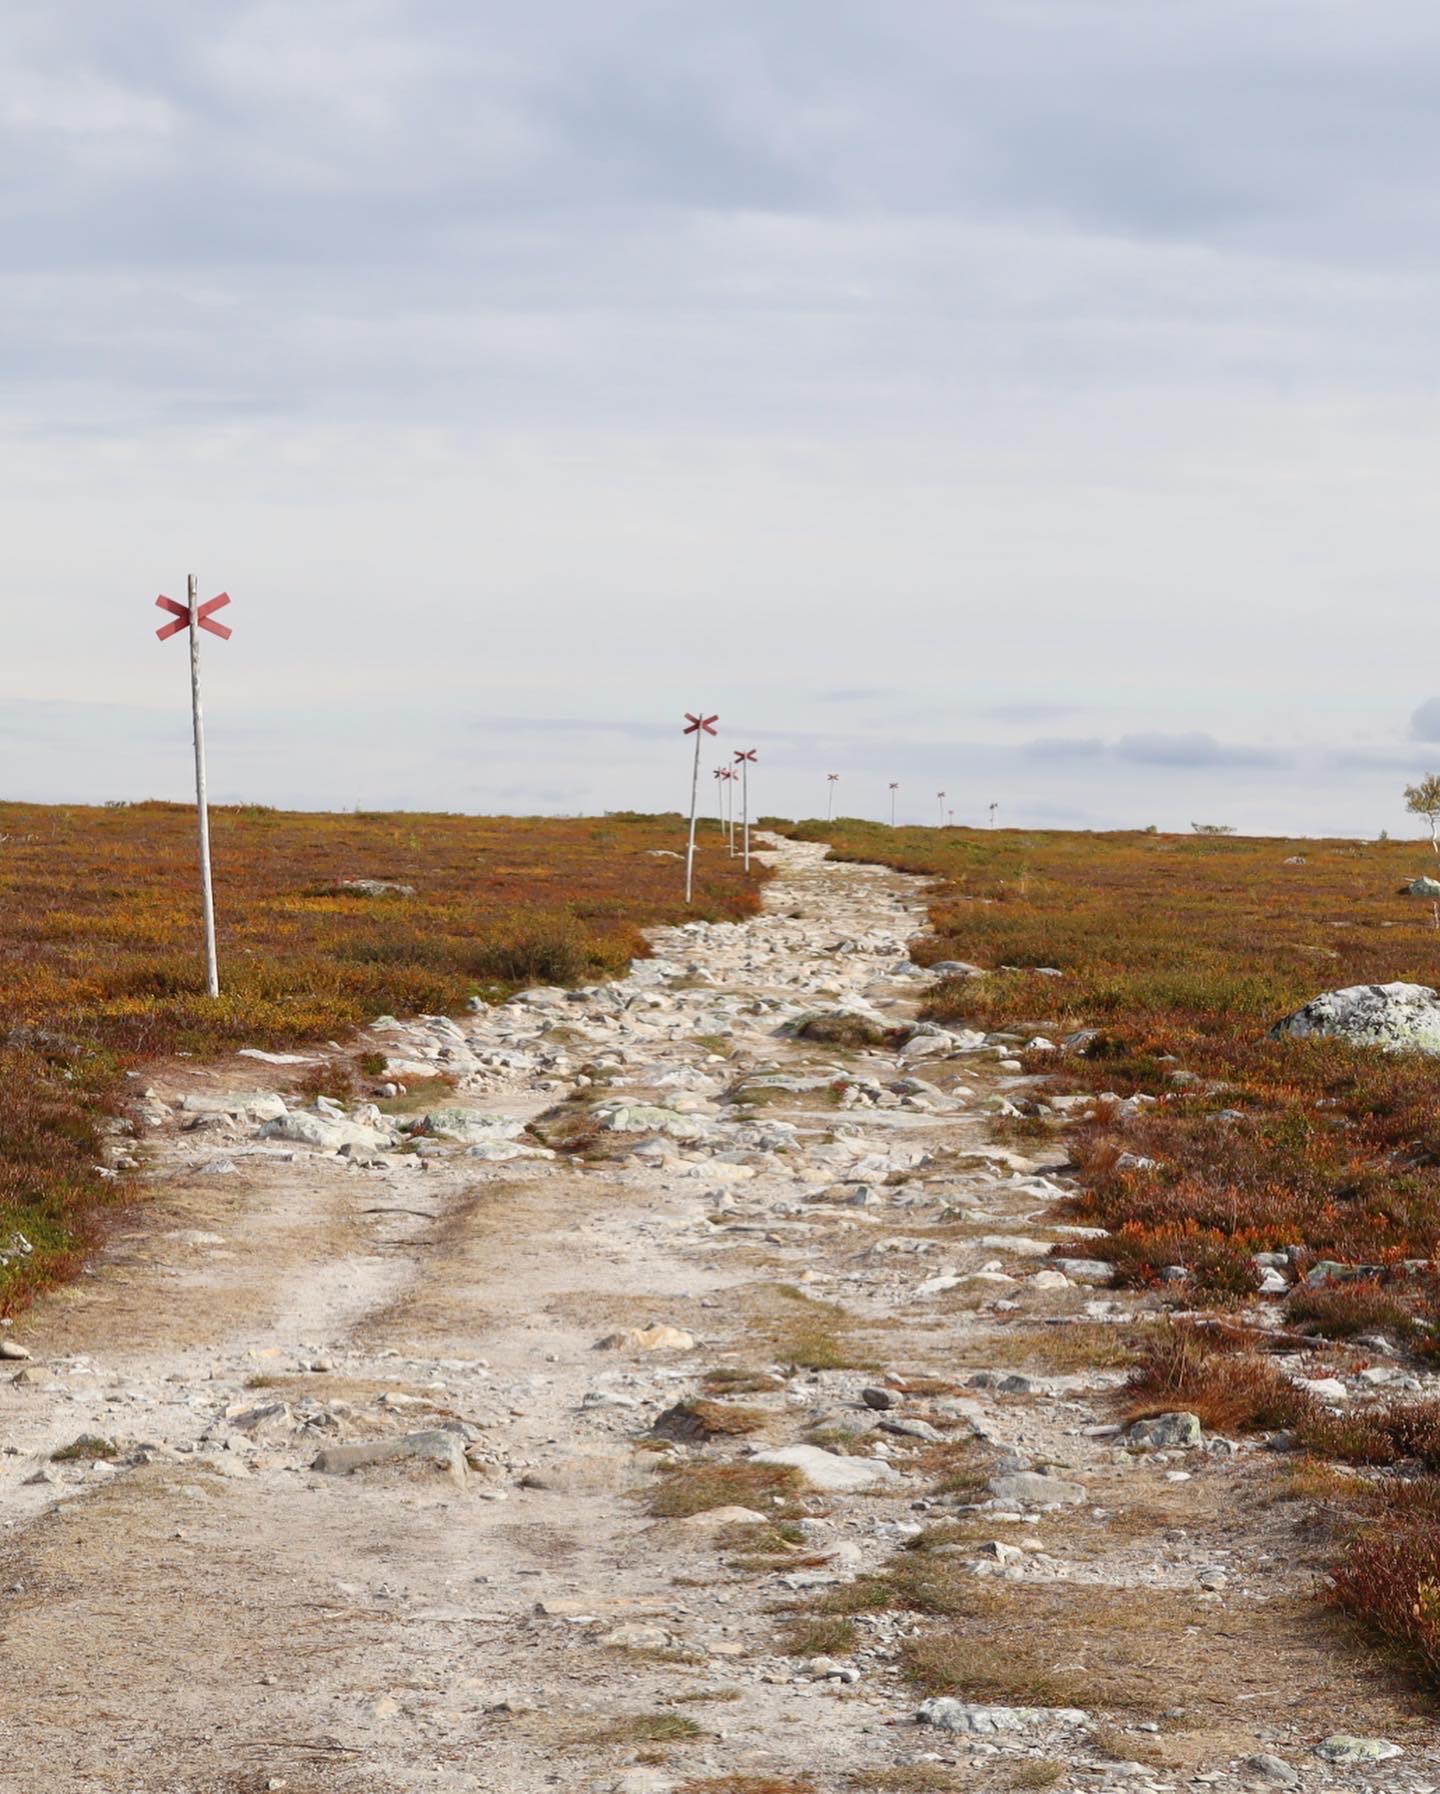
[830, 807]
[941, 796]
[694, 799]
[202, 806]
[745, 806]
[893, 790]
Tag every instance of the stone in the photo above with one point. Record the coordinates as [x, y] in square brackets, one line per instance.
[321, 1131]
[912, 1429]
[961, 1716]
[712, 1517]
[1341, 1748]
[465, 1125]
[438, 1448]
[1097, 1271]
[13, 1351]
[1031, 1488]
[878, 1398]
[373, 887]
[654, 1338]
[254, 1105]
[1423, 886]
[637, 1635]
[1167, 1432]
[1324, 1389]
[1397, 1018]
[827, 1470]
[1273, 1769]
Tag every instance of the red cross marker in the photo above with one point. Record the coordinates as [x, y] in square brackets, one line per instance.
[698, 726]
[194, 617]
[203, 614]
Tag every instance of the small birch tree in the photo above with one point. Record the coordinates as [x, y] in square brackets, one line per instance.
[1424, 800]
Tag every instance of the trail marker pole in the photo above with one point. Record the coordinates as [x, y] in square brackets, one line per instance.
[941, 796]
[993, 809]
[834, 778]
[698, 726]
[745, 759]
[894, 787]
[195, 616]
[721, 774]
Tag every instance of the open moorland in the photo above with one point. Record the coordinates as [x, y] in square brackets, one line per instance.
[326, 921]
[1221, 1161]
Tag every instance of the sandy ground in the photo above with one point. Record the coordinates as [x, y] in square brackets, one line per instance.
[204, 1609]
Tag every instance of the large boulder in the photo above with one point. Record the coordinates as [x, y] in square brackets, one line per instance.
[1423, 887]
[1398, 1018]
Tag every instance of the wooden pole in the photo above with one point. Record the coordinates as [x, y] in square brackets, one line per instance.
[202, 805]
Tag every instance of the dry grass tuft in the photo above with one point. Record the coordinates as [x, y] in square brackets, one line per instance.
[906, 1778]
[1346, 1310]
[820, 1638]
[727, 1380]
[749, 1784]
[646, 1728]
[1210, 1374]
[696, 1421]
[684, 1489]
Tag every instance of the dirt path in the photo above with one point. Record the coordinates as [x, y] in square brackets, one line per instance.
[213, 1605]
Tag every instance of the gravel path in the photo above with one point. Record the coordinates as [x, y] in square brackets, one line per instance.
[374, 1510]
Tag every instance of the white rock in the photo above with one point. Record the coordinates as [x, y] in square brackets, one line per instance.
[827, 1470]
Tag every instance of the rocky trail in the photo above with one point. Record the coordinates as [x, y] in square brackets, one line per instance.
[694, 1404]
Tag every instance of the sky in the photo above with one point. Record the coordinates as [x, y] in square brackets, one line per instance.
[1034, 400]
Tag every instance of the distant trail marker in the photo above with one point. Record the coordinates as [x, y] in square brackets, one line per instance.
[993, 809]
[195, 616]
[721, 774]
[745, 759]
[894, 787]
[941, 796]
[699, 727]
[834, 778]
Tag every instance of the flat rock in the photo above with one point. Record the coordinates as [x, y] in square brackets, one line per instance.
[321, 1131]
[1340, 1747]
[711, 1517]
[827, 1469]
[656, 1338]
[438, 1448]
[1031, 1488]
[961, 1716]
[1086, 1270]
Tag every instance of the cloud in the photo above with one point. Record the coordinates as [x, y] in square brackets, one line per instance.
[1194, 749]
[1062, 747]
[1027, 712]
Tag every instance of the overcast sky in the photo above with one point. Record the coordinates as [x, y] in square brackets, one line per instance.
[1031, 398]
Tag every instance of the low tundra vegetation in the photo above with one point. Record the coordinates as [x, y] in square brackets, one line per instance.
[100, 929]
[1157, 965]
[1176, 955]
